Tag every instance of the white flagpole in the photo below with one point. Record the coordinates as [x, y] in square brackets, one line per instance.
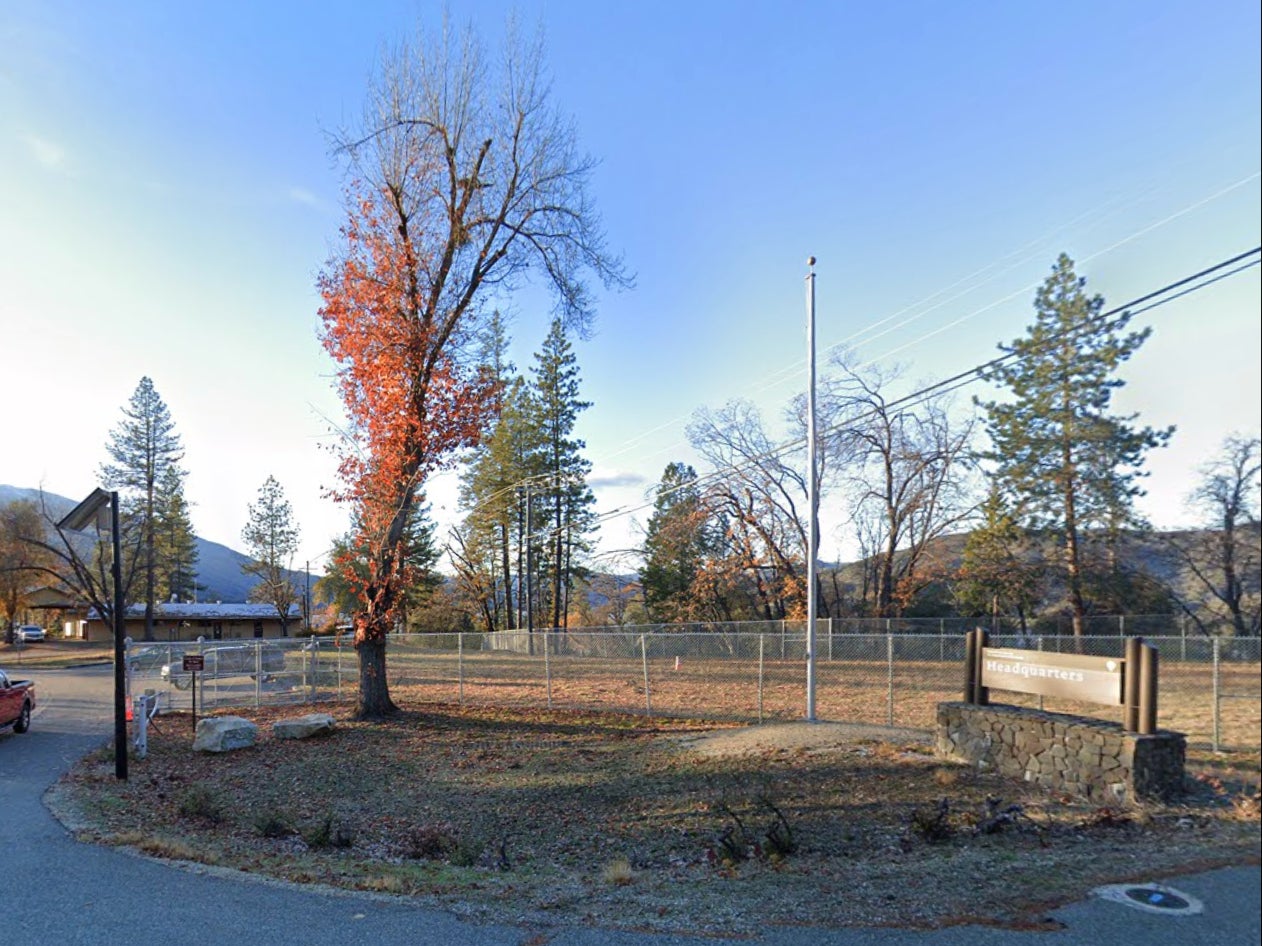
[812, 496]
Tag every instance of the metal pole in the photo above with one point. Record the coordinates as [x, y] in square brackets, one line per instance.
[1217, 705]
[644, 656]
[547, 667]
[812, 493]
[889, 660]
[530, 567]
[762, 640]
[120, 660]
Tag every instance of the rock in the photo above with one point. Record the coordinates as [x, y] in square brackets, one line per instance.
[303, 727]
[224, 733]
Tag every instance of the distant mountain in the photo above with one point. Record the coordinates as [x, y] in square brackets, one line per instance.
[219, 574]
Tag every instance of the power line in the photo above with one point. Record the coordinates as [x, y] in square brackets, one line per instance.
[789, 371]
[1149, 301]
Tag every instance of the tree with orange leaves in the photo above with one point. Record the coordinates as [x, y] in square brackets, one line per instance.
[466, 179]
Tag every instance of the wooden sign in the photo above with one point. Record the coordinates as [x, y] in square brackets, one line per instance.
[1094, 679]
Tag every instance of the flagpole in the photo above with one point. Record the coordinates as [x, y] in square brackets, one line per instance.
[812, 495]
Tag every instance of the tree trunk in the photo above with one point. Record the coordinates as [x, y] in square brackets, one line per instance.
[374, 692]
[506, 565]
[1073, 573]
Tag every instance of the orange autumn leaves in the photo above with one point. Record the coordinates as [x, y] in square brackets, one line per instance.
[410, 400]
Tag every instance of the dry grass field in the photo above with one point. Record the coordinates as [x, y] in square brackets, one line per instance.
[904, 695]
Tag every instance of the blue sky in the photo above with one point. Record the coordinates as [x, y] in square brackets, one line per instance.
[167, 198]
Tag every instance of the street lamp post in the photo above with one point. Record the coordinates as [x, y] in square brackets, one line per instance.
[83, 515]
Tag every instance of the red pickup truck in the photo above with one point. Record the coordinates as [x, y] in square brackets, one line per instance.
[17, 701]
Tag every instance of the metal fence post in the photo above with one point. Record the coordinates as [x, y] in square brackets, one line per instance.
[1217, 694]
[644, 657]
[889, 659]
[314, 692]
[547, 666]
[460, 668]
[127, 666]
[762, 640]
[258, 676]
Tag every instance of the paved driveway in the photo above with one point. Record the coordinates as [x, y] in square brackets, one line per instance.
[58, 891]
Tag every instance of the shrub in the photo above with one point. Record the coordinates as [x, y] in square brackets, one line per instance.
[272, 824]
[617, 872]
[201, 802]
[933, 827]
[427, 842]
[327, 834]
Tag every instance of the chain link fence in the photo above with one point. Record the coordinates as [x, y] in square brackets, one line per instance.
[887, 673]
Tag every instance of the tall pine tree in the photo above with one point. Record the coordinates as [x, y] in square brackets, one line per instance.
[492, 553]
[563, 497]
[176, 545]
[271, 538]
[488, 550]
[677, 543]
[145, 451]
[1071, 464]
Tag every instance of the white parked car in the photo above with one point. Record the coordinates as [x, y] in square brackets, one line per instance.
[30, 634]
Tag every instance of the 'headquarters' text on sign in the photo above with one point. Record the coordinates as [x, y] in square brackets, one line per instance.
[1097, 679]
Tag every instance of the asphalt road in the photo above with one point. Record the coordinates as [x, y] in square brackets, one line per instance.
[58, 891]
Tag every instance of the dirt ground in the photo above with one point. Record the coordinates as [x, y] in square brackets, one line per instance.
[571, 817]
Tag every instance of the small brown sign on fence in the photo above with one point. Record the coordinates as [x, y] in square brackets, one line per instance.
[1096, 679]
[194, 663]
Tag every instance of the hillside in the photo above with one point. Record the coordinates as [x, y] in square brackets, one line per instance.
[219, 574]
[1150, 559]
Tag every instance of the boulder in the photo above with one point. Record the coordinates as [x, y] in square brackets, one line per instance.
[224, 733]
[303, 727]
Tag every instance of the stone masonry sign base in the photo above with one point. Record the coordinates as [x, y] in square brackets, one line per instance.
[1090, 758]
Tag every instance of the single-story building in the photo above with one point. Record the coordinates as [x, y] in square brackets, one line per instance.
[57, 609]
[188, 622]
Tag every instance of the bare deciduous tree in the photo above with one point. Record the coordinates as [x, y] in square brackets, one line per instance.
[761, 497]
[1225, 558]
[20, 558]
[905, 467]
